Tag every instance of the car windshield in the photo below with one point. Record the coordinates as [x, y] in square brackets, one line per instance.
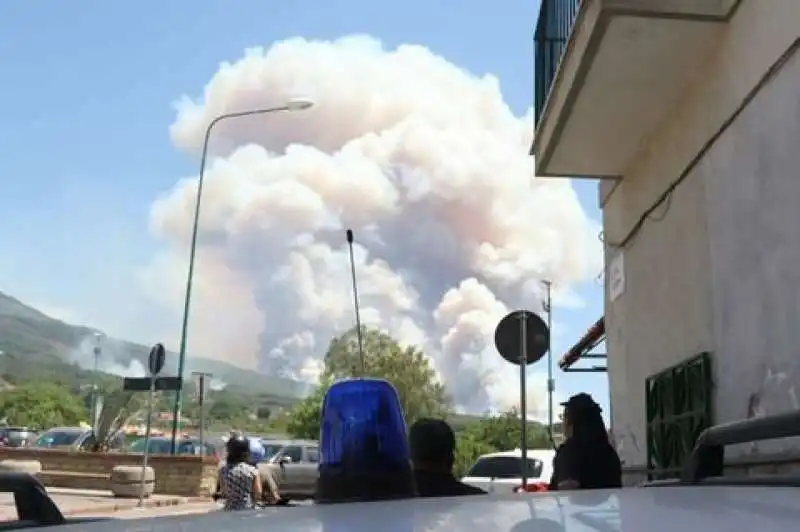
[56, 438]
[271, 449]
[504, 467]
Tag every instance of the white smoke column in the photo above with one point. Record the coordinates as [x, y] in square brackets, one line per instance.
[218, 385]
[428, 166]
[114, 357]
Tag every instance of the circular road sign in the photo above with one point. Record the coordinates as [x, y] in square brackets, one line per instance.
[508, 337]
[158, 355]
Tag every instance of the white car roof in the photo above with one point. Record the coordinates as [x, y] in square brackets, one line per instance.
[651, 509]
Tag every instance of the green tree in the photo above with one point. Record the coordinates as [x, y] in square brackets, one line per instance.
[407, 368]
[119, 408]
[41, 405]
[304, 420]
[504, 432]
[227, 408]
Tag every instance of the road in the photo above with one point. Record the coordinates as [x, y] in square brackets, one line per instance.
[165, 511]
[80, 502]
[180, 509]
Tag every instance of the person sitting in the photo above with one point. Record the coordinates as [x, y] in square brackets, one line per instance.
[240, 483]
[433, 445]
[586, 459]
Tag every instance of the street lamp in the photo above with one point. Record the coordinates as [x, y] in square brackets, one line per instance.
[294, 104]
[551, 388]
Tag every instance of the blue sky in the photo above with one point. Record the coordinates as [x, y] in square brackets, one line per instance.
[87, 101]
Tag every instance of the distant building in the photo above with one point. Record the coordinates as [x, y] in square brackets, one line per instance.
[687, 113]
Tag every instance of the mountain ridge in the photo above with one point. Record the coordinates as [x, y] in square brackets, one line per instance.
[29, 337]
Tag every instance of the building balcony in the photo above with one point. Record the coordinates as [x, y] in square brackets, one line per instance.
[608, 72]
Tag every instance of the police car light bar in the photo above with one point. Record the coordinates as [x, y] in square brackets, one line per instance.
[364, 452]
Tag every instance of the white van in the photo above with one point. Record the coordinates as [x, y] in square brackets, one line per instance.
[502, 472]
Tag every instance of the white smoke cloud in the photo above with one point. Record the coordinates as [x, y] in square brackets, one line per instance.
[113, 357]
[218, 385]
[423, 160]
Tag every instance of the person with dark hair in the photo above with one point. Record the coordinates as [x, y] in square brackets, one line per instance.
[433, 446]
[586, 460]
[239, 481]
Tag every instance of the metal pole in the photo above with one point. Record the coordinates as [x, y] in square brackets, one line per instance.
[202, 415]
[523, 399]
[201, 402]
[551, 385]
[147, 436]
[355, 302]
[176, 411]
[97, 351]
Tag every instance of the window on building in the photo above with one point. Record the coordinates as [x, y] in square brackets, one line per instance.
[679, 408]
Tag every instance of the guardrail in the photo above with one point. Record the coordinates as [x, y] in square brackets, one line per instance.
[708, 457]
[556, 18]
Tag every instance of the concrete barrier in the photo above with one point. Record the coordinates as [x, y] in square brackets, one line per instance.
[32, 467]
[185, 475]
[126, 481]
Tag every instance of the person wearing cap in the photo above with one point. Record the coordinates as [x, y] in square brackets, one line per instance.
[433, 446]
[586, 460]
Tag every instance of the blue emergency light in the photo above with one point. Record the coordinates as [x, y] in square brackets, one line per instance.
[364, 451]
[257, 451]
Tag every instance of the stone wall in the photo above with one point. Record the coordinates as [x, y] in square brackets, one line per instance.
[189, 476]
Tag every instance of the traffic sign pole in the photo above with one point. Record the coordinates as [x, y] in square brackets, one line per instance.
[147, 436]
[523, 396]
[522, 338]
[155, 364]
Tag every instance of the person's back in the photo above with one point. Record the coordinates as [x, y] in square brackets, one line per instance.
[432, 445]
[592, 464]
[239, 481]
[586, 460]
[236, 481]
[442, 484]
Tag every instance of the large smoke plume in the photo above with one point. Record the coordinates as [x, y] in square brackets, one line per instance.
[423, 160]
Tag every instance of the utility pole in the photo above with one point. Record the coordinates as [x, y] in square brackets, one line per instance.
[201, 390]
[551, 385]
[97, 350]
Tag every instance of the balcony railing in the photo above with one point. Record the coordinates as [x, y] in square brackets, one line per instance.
[556, 18]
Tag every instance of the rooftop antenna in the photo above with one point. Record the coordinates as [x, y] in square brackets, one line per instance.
[349, 234]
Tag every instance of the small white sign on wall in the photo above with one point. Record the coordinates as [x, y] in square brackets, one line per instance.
[616, 276]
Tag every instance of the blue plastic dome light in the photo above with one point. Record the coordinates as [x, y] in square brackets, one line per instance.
[257, 451]
[364, 451]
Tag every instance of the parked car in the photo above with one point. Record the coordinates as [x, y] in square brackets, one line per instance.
[76, 438]
[16, 437]
[295, 469]
[162, 445]
[273, 447]
[502, 472]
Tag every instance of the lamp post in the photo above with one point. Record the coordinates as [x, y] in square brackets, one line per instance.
[551, 385]
[296, 104]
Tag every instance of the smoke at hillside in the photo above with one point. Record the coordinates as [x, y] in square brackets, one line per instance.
[114, 357]
[423, 160]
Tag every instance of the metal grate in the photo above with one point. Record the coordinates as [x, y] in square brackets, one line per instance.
[556, 18]
[679, 408]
